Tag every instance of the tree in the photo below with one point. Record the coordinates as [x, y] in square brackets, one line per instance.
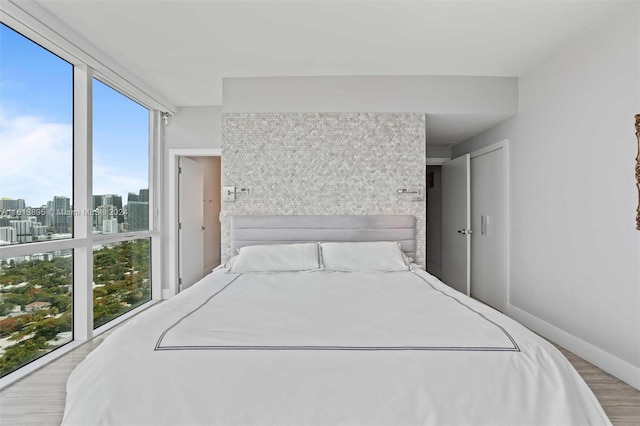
[121, 269]
[19, 354]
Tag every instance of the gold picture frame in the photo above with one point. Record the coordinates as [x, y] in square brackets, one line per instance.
[638, 171]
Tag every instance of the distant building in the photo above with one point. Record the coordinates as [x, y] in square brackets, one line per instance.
[8, 234]
[138, 210]
[59, 215]
[115, 201]
[103, 213]
[39, 231]
[97, 201]
[110, 226]
[63, 252]
[36, 306]
[42, 256]
[11, 204]
[112, 200]
[96, 219]
[16, 260]
[23, 230]
[108, 206]
[42, 215]
[138, 215]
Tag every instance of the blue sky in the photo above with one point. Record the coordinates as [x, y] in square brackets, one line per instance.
[36, 116]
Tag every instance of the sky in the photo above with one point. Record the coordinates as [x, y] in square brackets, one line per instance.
[36, 133]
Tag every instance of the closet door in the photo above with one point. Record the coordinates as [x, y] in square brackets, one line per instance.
[488, 281]
[456, 246]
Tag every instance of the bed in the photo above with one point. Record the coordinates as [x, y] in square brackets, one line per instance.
[324, 320]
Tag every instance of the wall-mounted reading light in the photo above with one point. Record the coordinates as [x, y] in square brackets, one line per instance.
[229, 192]
[416, 191]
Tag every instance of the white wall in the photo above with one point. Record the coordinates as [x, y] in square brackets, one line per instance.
[575, 253]
[190, 128]
[457, 107]
[195, 127]
[422, 94]
[435, 151]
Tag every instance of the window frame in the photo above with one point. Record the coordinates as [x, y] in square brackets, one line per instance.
[31, 24]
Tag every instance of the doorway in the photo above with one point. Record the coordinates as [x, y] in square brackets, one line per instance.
[434, 220]
[194, 216]
[211, 204]
[198, 218]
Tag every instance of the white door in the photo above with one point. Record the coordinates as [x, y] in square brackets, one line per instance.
[488, 220]
[190, 222]
[456, 226]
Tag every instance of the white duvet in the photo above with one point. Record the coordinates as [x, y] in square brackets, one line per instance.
[326, 348]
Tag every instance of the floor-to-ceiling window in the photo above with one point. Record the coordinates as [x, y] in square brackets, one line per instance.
[36, 195]
[77, 180]
[122, 265]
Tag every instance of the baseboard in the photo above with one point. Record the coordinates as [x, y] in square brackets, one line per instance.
[611, 364]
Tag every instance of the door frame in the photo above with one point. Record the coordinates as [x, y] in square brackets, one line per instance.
[437, 161]
[504, 145]
[433, 161]
[172, 234]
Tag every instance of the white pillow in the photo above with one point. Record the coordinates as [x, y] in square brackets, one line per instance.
[378, 256]
[277, 258]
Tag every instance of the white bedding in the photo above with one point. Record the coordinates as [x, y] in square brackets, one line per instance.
[323, 347]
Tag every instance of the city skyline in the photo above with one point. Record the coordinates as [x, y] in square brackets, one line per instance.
[21, 222]
[126, 195]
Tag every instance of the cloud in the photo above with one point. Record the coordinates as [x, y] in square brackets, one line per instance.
[112, 180]
[36, 158]
[36, 161]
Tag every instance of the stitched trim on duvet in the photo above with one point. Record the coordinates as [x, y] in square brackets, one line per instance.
[160, 347]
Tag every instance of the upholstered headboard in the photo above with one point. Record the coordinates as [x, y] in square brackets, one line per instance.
[255, 230]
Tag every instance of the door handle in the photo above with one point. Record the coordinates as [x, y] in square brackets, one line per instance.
[464, 231]
[484, 225]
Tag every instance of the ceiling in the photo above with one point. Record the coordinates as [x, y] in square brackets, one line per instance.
[184, 48]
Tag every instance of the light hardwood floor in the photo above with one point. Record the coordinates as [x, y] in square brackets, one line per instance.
[620, 401]
[39, 398]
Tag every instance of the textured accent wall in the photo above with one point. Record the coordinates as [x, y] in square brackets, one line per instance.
[323, 163]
